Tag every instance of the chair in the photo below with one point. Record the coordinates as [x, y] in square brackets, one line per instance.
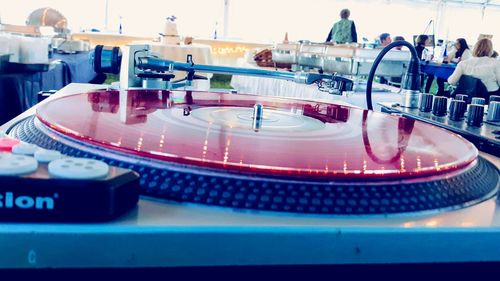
[472, 87]
[395, 82]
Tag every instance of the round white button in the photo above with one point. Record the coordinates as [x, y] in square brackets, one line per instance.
[25, 148]
[78, 168]
[13, 165]
[46, 156]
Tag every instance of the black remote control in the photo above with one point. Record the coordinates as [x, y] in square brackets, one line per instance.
[41, 185]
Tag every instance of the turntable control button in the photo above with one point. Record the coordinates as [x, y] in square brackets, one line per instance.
[440, 106]
[457, 110]
[6, 144]
[25, 149]
[475, 116]
[493, 111]
[78, 168]
[46, 156]
[426, 102]
[12, 165]
[478, 101]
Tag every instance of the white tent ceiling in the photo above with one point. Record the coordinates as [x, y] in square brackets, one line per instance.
[484, 3]
[450, 18]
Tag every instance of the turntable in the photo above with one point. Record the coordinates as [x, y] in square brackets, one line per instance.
[316, 181]
[256, 153]
[245, 180]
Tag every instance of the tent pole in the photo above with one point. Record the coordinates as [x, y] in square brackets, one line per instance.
[440, 19]
[106, 15]
[226, 19]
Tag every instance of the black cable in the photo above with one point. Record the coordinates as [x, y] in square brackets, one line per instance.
[411, 80]
[405, 127]
[66, 73]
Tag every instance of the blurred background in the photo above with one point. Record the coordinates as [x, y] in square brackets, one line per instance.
[267, 21]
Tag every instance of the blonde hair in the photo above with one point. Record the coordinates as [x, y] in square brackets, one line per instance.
[483, 48]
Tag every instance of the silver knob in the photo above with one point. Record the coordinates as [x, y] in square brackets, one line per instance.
[479, 101]
[493, 111]
[475, 116]
[494, 98]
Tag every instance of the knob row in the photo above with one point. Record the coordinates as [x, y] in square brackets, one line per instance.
[439, 107]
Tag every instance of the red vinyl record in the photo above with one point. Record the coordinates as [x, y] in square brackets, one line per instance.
[295, 138]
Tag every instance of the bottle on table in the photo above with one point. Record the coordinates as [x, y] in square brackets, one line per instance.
[215, 32]
[120, 29]
[445, 54]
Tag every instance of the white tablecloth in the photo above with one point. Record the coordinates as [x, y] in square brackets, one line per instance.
[289, 89]
[202, 54]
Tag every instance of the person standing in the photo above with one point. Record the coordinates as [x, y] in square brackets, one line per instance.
[343, 31]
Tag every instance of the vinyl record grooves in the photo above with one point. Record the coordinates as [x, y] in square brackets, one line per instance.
[270, 154]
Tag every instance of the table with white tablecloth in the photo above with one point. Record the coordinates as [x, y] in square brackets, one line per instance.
[201, 54]
[290, 89]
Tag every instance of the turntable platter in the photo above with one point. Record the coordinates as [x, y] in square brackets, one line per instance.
[267, 154]
[297, 138]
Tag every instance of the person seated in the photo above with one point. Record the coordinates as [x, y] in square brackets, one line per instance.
[385, 39]
[396, 81]
[399, 38]
[460, 53]
[481, 66]
[343, 31]
[420, 46]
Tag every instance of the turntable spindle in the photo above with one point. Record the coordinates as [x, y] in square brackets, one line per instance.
[258, 113]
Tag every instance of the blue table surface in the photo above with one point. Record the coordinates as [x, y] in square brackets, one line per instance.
[435, 64]
[440, 70]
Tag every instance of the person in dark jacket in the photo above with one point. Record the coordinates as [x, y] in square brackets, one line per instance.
[420, 44]
[343, 31]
